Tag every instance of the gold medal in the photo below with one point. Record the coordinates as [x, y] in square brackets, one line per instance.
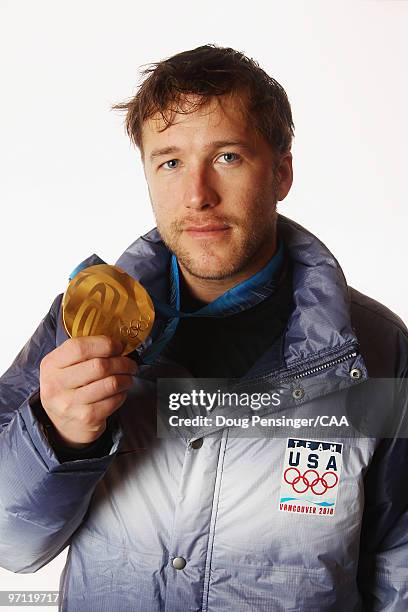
[104, 299]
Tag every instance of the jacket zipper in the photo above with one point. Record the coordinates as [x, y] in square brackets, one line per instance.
[351, 353]
[303, 373]
[323, 366]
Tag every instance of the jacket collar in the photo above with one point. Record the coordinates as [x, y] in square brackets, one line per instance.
[319, 352]
[320, 323]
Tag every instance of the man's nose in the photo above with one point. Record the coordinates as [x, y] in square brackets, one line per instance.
[200, 189]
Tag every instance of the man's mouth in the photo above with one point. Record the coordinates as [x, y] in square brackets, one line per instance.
[210, 230]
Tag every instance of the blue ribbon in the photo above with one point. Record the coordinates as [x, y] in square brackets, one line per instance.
[246, 294]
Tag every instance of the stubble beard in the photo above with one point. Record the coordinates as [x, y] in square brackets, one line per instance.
[212, 263]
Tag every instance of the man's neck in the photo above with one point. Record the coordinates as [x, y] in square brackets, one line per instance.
[207, 290]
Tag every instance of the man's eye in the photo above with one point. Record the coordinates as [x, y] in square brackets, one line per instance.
[229, 157]
[169, 165]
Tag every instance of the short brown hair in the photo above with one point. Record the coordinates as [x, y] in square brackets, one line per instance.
[210, 71]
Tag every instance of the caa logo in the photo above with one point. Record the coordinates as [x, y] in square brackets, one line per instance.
[310, 477]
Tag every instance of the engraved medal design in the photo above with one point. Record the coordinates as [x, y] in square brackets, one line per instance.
[103, 299]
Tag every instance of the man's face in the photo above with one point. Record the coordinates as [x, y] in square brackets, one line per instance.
[214, 189]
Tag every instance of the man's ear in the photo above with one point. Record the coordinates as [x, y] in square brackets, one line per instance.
[284, 176]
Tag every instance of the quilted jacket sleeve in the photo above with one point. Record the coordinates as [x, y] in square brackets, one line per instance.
[42, 500]
[383, 571]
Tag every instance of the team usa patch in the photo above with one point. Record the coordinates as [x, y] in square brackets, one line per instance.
[310, 477]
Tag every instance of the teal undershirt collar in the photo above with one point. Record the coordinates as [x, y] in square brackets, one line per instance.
[245, 295]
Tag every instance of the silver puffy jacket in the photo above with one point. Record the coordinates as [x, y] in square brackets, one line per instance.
[203, 522]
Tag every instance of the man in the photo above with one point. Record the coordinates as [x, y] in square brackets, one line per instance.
[202, 520]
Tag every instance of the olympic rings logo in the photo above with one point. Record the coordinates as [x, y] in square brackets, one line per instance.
[135, 327]
[318, 485]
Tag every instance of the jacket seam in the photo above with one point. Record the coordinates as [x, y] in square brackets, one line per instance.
[213, 520]
[286, 569]
[384, 574]
[20, 517]
[86, 532]
[173, 531]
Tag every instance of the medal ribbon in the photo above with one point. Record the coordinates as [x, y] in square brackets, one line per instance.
[245, 295]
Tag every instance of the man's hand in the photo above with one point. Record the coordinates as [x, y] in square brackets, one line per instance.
[82, 382]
